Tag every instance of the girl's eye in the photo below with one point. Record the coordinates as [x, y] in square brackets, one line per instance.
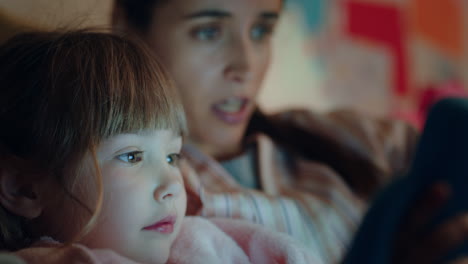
[131, 157]
[173, 159]
[261, 31]
[206, 33]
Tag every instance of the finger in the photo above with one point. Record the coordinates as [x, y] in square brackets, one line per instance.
[445, 238]
[422, 211]
[409, 238]
[462, 260]
[192, 188]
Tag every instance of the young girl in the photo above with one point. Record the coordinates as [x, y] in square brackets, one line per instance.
[89, 153]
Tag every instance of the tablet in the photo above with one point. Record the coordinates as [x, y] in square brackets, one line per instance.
[441, 155]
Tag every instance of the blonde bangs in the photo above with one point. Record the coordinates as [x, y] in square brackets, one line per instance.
[138, 95]
[130, 91]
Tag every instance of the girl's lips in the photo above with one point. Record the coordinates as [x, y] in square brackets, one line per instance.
[163, 226]
[232, 117]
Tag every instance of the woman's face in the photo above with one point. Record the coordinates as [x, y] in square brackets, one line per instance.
[218, 52]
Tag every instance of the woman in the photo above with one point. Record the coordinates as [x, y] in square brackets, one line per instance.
[298, 172]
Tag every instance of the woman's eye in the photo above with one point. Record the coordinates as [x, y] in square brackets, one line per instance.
[173, 159]
[207, 33]
[131, 157]
[260, 32]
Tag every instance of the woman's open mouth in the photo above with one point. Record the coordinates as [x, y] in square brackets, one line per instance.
[233, 110]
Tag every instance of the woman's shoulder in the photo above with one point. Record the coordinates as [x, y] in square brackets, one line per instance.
[352, 143]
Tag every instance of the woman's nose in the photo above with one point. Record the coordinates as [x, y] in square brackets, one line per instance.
[239, 66]
[169, 189]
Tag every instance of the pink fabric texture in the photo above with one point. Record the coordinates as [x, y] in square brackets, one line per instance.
[51, 252]
[226, 241]
[230, 241]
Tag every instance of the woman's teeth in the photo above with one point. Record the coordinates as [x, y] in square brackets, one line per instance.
[231, 105]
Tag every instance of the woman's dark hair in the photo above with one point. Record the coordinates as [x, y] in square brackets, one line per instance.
[138, 13]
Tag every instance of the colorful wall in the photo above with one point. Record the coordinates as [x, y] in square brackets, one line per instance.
[374, 55]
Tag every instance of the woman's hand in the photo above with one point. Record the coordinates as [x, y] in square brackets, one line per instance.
[414, 246]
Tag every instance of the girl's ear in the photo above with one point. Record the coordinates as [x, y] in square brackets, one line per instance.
[19, 196]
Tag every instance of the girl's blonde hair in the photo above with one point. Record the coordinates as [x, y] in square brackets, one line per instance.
[62, 94]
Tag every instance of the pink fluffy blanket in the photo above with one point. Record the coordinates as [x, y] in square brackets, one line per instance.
[234, 241]
[200, 241]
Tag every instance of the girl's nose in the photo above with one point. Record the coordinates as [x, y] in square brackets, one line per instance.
[167, 190]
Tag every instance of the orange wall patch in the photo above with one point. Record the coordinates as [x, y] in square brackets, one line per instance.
[440, 22]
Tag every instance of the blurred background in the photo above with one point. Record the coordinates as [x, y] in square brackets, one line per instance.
[383, 57]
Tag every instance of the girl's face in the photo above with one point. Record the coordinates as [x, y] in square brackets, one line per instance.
[218, 52]
[144, 196]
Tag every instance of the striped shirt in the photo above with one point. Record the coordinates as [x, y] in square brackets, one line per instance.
[244, 168]
[304, 198]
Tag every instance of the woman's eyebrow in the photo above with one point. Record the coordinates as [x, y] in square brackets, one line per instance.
[217, 13]
[211, 13]
[269, 15]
